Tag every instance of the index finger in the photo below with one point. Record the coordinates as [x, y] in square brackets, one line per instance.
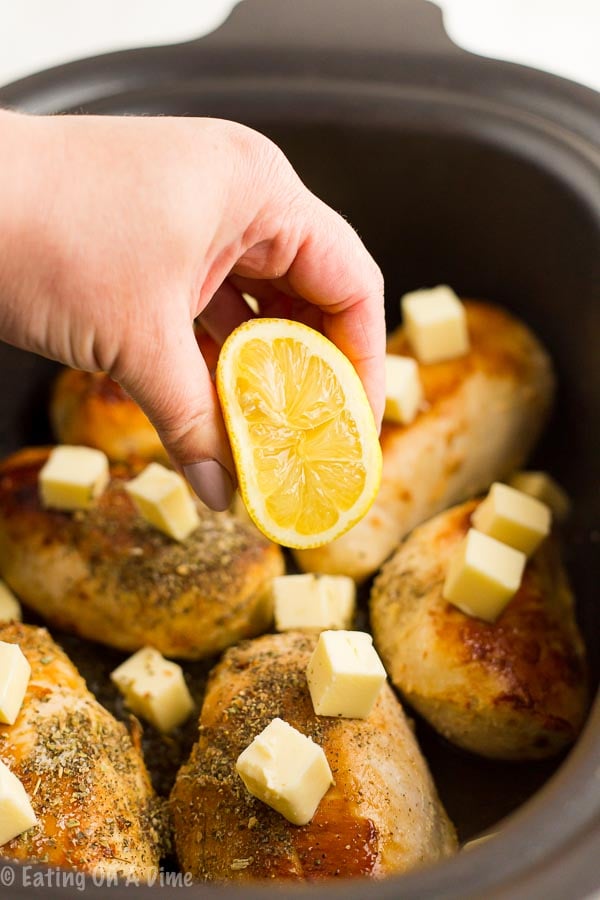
[318, 257]
[333, 270]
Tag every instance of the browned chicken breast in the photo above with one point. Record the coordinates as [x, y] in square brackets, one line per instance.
[90, 408]
[82, 770]
[107, 575]
[512, 689]
[482, 416]
[382, 816]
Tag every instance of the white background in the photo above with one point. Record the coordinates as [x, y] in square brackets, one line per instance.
[560, 36]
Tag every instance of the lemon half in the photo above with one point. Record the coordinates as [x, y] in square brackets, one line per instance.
[302, 432]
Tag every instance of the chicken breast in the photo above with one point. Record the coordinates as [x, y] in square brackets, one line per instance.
[512, 689]
[107, 575]
[382, 816]
[82, 770]
[90, 408]
[482, 416]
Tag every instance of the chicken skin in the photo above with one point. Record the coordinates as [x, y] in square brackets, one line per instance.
[382, 816]
[83, 772]
[90, 408]
[107, 575]
[482, 415]
[511, 689]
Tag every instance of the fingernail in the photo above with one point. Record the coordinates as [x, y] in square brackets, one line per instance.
[212, 483]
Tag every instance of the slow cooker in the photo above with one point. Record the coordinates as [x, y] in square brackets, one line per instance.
[454, 169]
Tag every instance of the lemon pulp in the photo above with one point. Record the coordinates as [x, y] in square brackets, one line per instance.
[307, 452]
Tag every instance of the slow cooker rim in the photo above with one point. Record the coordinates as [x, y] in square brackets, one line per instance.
[477, 112]
[88, 80]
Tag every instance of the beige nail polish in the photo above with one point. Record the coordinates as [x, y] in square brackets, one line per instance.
[211, 482]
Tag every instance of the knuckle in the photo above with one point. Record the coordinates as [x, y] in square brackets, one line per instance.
[177, 435]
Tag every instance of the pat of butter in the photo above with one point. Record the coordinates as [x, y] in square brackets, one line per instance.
[162, 498]
[545, 489]
[16, 812]
[344, 674]
[403, 389]
[252, 302]
[435, 324]
[513, 517]
[154, 688]
[15, 672]
[286, 770]
[313, 602]
[483, 575]
[73, 477]
[10, 608]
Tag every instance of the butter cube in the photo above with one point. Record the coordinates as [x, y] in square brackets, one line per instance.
[286, 770]
[15, 673]
[545, 489]
[163, 499]
[16, 812]
[340, 591]
[435, 324]
[513, 517]
[403, 389]
[154, 688]
[313, 602]
[73, 477]
[344, 674]
[252, 302]
[10, 608]
[483, 575]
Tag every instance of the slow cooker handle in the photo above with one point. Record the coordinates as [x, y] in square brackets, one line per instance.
[342, 28]
[338, 38]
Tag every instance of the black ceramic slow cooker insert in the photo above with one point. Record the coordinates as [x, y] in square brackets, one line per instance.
[454, 169]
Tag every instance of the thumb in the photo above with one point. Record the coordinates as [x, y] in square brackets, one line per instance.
[174, 388]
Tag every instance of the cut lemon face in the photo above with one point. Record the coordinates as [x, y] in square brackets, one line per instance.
[301, 429]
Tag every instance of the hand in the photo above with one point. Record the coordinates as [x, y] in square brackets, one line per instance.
[116, 233]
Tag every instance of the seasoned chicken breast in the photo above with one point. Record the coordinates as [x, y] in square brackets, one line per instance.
[107, 575]
[482, 416]
[512, 689]
[382, 816]
[82, 770]
[90, 408]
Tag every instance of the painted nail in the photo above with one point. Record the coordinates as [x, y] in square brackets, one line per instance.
[212, 483]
